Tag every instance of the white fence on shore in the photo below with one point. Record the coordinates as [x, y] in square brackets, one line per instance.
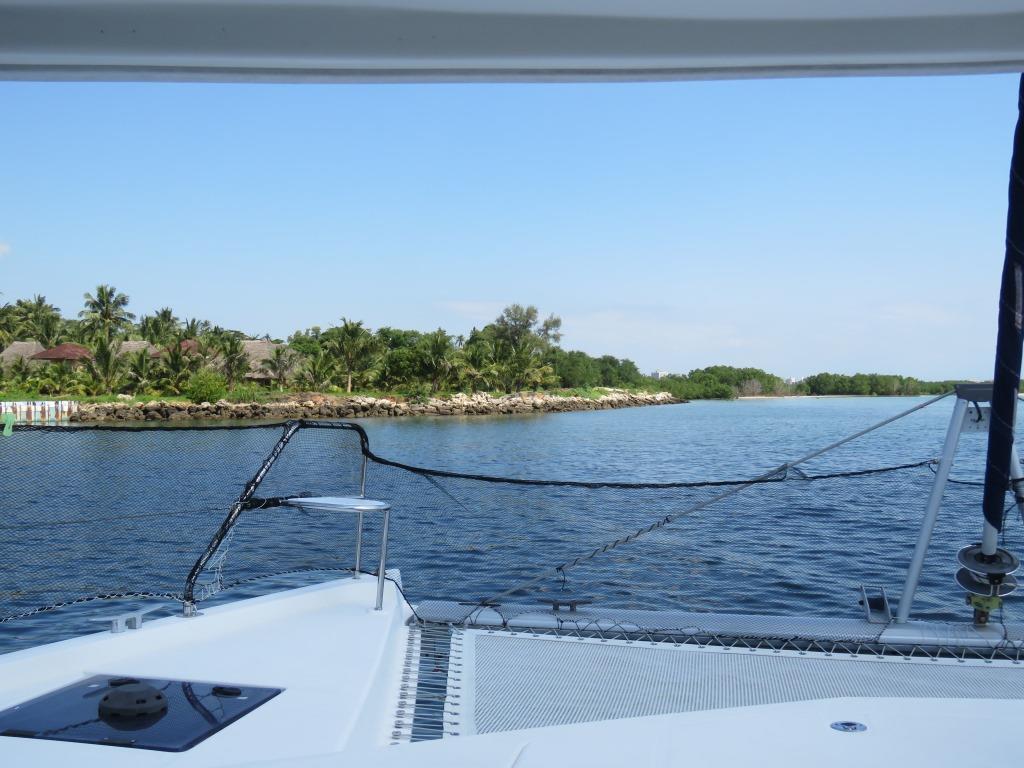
[36, 411]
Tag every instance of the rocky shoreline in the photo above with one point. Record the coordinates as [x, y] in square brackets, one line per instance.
[318, 406]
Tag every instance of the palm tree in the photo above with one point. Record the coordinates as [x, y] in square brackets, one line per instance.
[279, 365]
[165, 317]
[472, 368]
[317, 371]
[439, 358]
[509, 365]
[159, 328]
[233, 360]
[484, 367]
[526, 366]
[193, 328]
[59, 379]
[353, 346]
[31, 314]
[49, 331]
[149, 329]
[206, 351]
[75, 330]
[176, 366]
[142, 372]
[394, 367]
[19, 373]
[105, 366]
[105, 314]
[8, 324]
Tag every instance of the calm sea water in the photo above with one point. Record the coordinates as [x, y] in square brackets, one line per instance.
[762, 553]
[692, 441]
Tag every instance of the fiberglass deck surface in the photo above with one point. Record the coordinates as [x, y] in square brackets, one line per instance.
[335, 658]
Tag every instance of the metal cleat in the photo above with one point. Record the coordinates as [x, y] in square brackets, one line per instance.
[123, 621]
[569, 601]
[876, 605]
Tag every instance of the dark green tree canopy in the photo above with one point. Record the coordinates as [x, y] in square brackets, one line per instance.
[517, 351]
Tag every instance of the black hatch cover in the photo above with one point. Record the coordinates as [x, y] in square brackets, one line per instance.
[167, 715]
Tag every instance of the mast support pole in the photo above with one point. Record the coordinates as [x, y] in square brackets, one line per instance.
[931, 513]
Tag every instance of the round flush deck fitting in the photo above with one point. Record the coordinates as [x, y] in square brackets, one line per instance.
[848, 726]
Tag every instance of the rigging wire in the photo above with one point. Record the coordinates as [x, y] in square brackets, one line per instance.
[668, 519]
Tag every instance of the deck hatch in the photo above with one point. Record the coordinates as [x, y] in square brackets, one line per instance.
[193, 712]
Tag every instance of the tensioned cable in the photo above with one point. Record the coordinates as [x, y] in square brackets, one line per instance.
[257, 502]
[667, 519]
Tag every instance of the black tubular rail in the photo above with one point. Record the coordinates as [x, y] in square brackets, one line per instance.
[290, 428]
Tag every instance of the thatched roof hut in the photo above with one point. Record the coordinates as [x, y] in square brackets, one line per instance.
[258, 350]
[188, 346]
[66, 352]
[18, 350]
[131, 347]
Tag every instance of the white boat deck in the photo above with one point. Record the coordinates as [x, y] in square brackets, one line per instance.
[905, 732]
[336, 658]
[523, 698]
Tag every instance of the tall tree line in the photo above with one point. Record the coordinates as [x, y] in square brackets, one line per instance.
[518, 350]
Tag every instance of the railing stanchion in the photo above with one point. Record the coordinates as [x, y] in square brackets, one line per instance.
[359, 521]
[383, 558]
[359, 544]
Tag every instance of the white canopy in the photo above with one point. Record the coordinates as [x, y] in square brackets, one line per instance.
[497, 40]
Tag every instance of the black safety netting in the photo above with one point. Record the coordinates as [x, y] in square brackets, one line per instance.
[799, 543]
[113, 513]
[125, 514]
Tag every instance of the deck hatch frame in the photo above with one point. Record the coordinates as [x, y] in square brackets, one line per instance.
[195, 712]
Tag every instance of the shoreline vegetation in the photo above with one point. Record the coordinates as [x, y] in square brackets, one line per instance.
[120, 367]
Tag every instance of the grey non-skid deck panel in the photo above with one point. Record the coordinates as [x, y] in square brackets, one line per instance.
[669, 622]
[522, 681]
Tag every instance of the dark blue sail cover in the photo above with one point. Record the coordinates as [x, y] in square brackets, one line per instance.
[1006, 381]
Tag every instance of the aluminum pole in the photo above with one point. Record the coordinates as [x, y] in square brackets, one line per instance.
[359, 521]
[931, 512]
[383, 559]
[359, 544]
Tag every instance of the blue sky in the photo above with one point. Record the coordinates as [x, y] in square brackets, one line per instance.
[798, 226]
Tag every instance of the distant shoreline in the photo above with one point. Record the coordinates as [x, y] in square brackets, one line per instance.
[316, 406]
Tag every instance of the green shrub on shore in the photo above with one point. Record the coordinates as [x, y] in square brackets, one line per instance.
[18, 395]
[587, 393]
[206, 386]
[247, 393]
[416, 393]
